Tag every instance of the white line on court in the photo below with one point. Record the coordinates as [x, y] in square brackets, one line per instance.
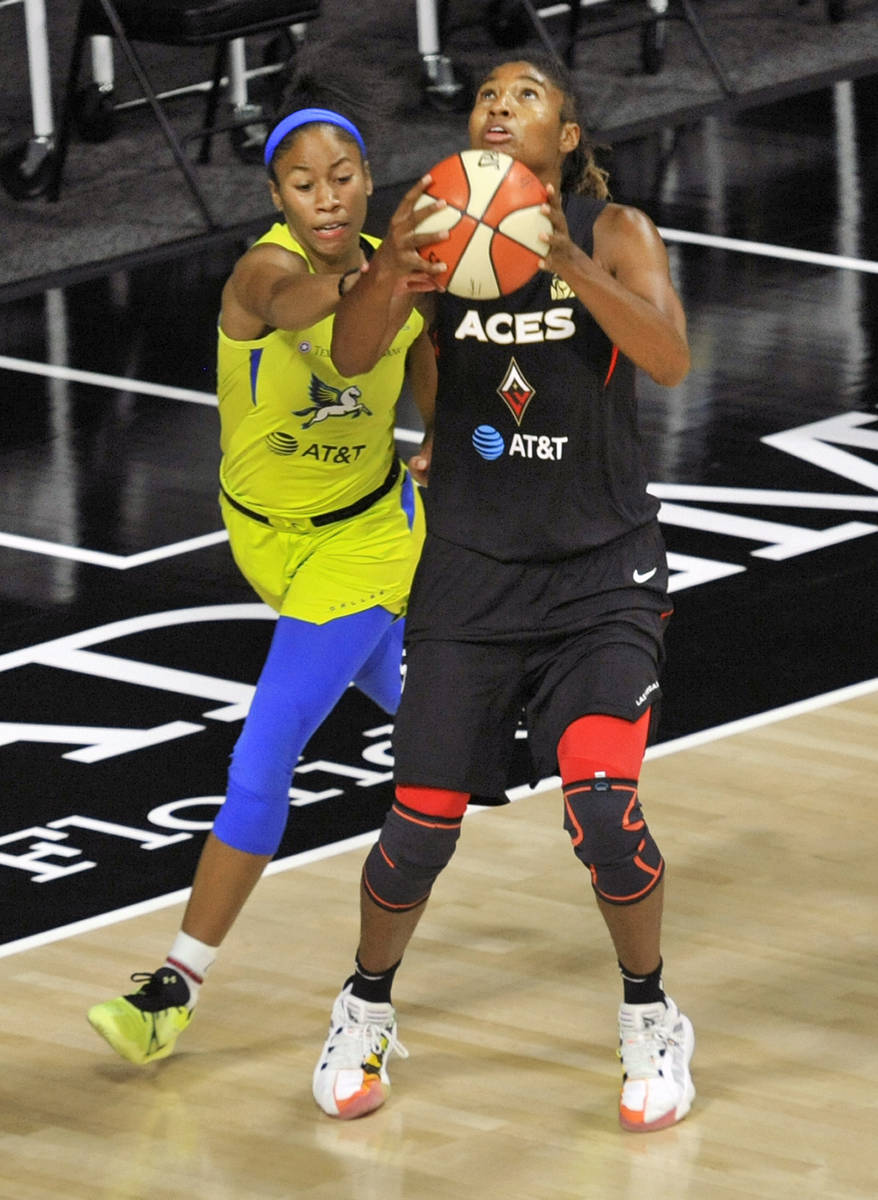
[100, 558]
[98, 379]
[766, 250]
[703, 737]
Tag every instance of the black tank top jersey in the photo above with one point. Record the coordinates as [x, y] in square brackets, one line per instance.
[537, 454]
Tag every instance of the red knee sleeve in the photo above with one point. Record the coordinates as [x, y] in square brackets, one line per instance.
[434, 802]
[603, 744]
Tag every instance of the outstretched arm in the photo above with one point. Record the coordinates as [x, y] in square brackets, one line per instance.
[626, 286]
[375, 308]
[271, 288]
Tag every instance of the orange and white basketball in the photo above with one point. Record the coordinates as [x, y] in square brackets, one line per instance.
[493, 219]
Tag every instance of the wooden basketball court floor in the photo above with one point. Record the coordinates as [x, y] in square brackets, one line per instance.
[128, 650]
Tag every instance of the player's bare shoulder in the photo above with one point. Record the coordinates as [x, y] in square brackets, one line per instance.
[248, 288]
[266, 259]
[621, 233]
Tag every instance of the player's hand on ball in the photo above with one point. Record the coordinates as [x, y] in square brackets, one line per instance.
[559, 247]
[398, 252]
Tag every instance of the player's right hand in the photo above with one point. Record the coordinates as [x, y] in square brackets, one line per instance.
[399, 250]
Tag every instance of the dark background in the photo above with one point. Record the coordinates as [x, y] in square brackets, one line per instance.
[125, 195]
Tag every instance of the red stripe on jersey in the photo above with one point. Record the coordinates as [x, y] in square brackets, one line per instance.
[614, 358]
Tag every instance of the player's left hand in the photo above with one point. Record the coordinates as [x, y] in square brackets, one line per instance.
[419, 464]
[559, 247]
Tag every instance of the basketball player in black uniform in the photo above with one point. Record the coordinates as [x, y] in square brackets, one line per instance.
[542, 587]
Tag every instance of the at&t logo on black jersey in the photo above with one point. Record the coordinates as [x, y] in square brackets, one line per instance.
[490, 444]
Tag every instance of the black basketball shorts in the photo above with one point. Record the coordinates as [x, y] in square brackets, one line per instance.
[492, 645]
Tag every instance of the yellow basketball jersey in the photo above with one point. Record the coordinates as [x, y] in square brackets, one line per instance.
[297, 438]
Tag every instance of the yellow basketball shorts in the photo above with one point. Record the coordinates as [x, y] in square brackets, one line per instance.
[319, 573]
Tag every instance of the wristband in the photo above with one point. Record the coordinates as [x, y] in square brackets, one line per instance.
[352, 271]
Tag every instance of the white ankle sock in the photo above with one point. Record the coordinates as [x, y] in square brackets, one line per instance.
[192, 959]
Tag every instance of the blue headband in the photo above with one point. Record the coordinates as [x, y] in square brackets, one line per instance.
[308, 116]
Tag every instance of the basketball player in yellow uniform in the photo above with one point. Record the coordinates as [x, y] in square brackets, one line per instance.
[324, 522]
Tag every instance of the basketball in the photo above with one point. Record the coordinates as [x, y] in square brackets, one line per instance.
[493, 220]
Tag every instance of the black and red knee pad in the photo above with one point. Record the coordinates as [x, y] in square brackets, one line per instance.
[600, 758]
[417, 841]
[609, 834]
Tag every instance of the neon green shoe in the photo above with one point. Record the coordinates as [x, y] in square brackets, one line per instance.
[144, 1026]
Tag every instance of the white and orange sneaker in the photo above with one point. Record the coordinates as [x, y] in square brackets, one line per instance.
[656, 1043]
[351, 1078]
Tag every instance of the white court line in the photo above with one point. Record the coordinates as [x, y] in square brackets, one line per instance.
[702, 738]
[771, 497]
[409, 435]
[766, 250]
[100, 558]
[119, 382]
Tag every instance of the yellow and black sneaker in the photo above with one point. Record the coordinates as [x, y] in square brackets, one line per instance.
[145, 1025]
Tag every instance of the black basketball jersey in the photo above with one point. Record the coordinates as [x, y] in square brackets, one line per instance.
[536, 452]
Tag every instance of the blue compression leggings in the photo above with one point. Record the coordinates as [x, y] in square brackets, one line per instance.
[305, 674]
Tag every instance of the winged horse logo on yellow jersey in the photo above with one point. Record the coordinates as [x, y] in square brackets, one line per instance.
[328, 401]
